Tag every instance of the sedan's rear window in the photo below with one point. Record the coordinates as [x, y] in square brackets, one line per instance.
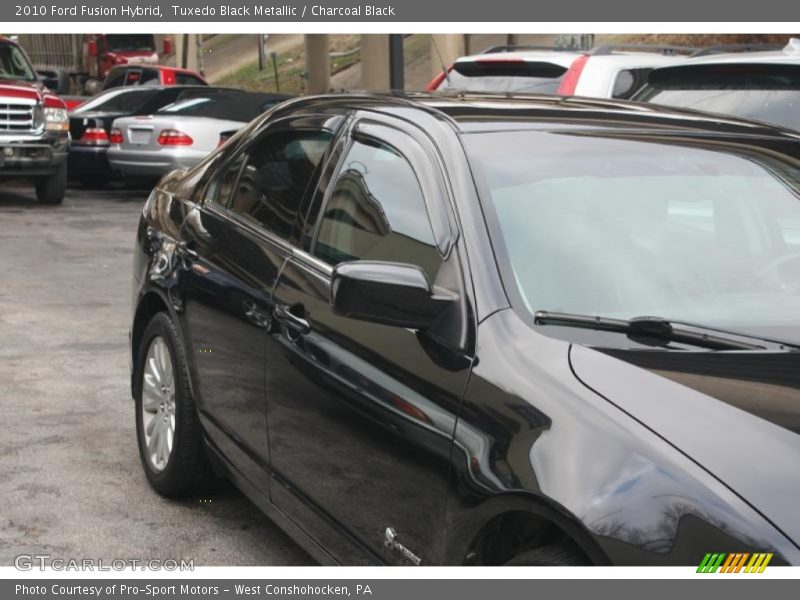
[769, 93]
[504, 76]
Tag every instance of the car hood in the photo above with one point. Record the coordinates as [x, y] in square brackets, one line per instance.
[20, 89]
[737, 414]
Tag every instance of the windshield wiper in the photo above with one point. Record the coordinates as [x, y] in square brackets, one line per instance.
[660, 329]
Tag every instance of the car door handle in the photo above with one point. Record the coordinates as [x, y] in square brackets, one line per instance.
[285, 315]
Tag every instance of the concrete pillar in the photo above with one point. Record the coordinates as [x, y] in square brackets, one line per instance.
[318, 63]
[193, 55]
[450, 46]
[186, 51]
[375, 62]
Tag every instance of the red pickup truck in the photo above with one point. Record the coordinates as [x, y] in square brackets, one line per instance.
[34, 127]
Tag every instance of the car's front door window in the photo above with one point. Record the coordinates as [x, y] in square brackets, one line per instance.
[376, 211]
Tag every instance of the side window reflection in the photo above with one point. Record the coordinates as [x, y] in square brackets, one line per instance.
[377, 212]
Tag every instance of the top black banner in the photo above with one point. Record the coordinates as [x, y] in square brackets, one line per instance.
[396, 11]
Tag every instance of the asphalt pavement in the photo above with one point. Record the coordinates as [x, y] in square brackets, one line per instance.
[70, 479]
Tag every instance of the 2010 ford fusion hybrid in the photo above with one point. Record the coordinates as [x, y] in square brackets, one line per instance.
[481, 330]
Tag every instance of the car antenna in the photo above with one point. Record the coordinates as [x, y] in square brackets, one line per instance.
[441, 61]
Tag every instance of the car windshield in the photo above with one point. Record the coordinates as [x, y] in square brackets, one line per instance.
[502, 77]
[14, 64]
[131, 43]
[761, 92]
[701, 232]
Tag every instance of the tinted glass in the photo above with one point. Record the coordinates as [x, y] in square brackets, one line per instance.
[376, 211]
[541, 77]
[150, 77]
[761, 92]
[121, 100]
[625, 228]
[231, 105]
[131, 43]
[628, 82]
[186, 79]
[115, 78]
[14, 65]
[274, 178]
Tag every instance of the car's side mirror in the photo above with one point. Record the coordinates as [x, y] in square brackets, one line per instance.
[386, 293]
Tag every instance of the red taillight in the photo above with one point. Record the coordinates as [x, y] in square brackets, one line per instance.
[95, 136]
[173, 137]
[571, 77]
[434, 83]
[116, 136]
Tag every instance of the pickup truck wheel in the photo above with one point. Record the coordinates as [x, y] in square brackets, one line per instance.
[168, 431]
[50, 189]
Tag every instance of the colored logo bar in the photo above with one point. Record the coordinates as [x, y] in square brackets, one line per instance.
[737, 562]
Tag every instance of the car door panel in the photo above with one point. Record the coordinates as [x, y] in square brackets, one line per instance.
[226, 295]
[361, 422]
[361, 415]
[240, 239]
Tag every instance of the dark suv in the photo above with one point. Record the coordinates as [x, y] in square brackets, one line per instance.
[481, 330]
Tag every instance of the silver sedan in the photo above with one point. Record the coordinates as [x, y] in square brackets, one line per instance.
[183, 133]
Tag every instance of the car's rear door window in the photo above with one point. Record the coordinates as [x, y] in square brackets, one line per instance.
[276, 171]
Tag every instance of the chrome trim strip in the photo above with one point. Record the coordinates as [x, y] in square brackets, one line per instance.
[313, 262]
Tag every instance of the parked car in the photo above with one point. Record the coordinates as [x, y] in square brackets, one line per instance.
[607, 71]
[90, 125]
[183, 133]
[137, 74]
[34, 128]
[752, 82]
[481, 330]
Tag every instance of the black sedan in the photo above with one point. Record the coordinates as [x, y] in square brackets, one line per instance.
[90, 125]
[481, 330]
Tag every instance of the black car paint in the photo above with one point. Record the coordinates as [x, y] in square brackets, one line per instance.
[444, 443]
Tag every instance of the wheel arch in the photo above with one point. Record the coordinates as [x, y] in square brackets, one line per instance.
[511, 523]
[153, 300]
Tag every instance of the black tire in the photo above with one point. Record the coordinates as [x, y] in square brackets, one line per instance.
[50, 189]
[62, 82]
[558, 555]
[188, 470]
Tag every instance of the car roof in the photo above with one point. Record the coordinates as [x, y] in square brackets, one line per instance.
[790, 54]
[474, 112]
[621, 56]
[136, 65]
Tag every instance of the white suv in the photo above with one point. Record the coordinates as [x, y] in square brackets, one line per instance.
[754, 82]
[606, 71]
